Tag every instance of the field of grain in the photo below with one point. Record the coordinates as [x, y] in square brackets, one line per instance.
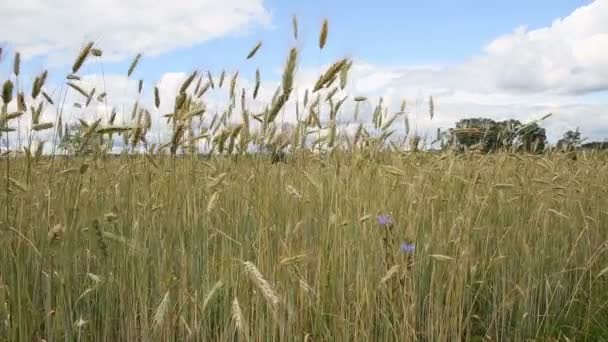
[323, 237]
[503, 247]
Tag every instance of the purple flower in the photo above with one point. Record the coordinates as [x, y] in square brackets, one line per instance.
[408, 248]
[385, 220]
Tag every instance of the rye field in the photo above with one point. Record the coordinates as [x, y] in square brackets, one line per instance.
[502, 248]
[317, 236]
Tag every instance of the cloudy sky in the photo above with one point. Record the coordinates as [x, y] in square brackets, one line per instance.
[510, 59]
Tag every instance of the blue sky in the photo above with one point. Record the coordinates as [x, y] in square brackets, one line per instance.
[497, 59]
[391, 32]
[384, 32]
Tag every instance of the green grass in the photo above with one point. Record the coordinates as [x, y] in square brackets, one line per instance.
[507, 248]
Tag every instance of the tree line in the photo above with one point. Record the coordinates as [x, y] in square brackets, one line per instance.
[488, 135]
[481, 134]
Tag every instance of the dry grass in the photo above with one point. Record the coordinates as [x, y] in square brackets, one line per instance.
[521, 258]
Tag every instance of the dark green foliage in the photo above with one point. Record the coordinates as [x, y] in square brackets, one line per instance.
[532, 138]
[570, 141]
[490, 136]
[73, 139]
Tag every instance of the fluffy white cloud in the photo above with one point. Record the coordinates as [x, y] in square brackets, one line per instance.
[455, 98]
[123, 27]
[122, 93]
[567, 57]
[393, 85]
[560, 69]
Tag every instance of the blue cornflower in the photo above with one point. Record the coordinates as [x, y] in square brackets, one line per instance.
[408, 248]
[385, 220]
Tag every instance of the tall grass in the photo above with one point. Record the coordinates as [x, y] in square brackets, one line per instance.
[161, 246]
[506, 248]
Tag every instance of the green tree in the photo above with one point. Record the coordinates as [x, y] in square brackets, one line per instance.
[73, 141]
[474, 132]
[570, 141]
[532, 138]
[489, 135]
[482, 133]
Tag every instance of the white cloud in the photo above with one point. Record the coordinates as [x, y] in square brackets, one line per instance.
[566, 57]
[455, 99]
[122, 94]
[560, 69]
[390, 84]
[123, 27]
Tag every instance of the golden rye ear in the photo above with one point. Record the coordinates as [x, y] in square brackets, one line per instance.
[323, 34]
[254, 50]
[82, 56]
